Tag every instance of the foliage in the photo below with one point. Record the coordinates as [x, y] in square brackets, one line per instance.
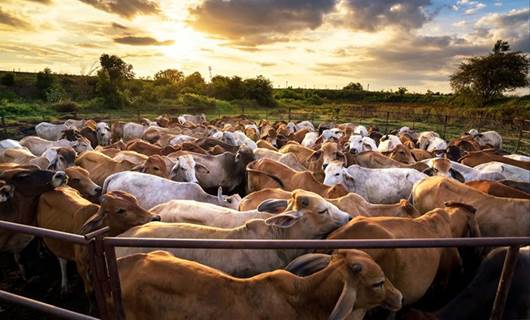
[66, 106]
[168, 76]
[44, 81]
[55, 93]
[259, 89]
[8, 79]
[111, 77]
[487, 77]
[402, 90]
[355, 86]
[197, 101]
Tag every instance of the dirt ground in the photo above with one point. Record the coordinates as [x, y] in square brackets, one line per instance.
[43, 284]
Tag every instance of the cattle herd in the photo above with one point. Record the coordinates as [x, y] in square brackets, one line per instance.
[234, 178]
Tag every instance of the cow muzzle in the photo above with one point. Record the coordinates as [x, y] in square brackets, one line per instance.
[59, 178]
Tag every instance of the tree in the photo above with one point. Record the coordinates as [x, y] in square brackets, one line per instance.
[193, 83]
[487, 77]
[111, 76]
[44, 81]
[402, 90]
[354, 86]
[8, 79]
[168, 76]
[259, 89]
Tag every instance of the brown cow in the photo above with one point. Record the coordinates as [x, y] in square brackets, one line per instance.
[475, 158]
[374, 159]
[65, 210]
[78, 178]
[351, 203]
[267, 173]
[143, 147]
[101, 166]
[413, 271]
[498, 189]
[26, 186]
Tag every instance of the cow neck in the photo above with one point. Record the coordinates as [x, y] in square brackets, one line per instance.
[438, 222]
[322, 288]
[22, 207]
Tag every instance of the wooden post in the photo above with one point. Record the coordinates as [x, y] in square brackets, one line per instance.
[508, 269]
[445, 126]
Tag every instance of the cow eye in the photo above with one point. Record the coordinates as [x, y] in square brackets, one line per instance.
[337, 174]
[323, 211]
[121, 210]
[156, 168]
[379, 284]
[229, 200]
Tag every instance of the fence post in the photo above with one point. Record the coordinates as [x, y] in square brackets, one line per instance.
[4, 126]
[445, 127]
[242, 109]
[99, 278]
[138, 115]
[521, 129]
[505, 281]
[289, 114]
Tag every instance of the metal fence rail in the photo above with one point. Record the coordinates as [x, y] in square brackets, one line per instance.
[103, 262]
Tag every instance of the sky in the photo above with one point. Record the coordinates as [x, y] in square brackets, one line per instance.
[383, 44]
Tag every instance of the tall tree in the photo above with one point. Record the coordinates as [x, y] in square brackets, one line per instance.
[168, 76]
[111, 76]
[487, 77]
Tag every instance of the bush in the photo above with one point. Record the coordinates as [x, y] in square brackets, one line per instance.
[8, 79]
[66, 106]
[195, 100]
[55, 93]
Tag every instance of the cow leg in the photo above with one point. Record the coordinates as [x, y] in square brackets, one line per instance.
[65, 288]
[20, 266]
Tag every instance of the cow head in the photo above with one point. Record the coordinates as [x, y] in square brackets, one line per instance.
[60, 158]
[104, 133]
[31, 182]
[333, 173]
[78, 178]
[231, 202]
[82, 144]
[184, 169]
[364, 285]
[119, 211]
[402, 154]
[358, 144]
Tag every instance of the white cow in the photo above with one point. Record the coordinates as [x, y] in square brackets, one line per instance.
[184, 169]
[76, 124]
[133, 130]
[38, 146]
[387, 185]
[425, 138]
[236, 138]
[310, 139]
[195, 119]
[360, 130]
[305, 125]
[50, 131]
[151, 190]
[358, 144]
[388, 142]
[333, 133]
[509, 171]
[207, 214]
[492, 138]
[103, 133]
[470, 173]
[436, 145]
[181, 138]
[9, 143]
[517, 157]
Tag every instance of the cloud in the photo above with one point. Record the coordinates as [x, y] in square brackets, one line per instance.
[11, 20]
[475, 6]
[373, 15]
[267, 64]
[251, 22]
[142, 41]
[125, 8]
[512, 27]
[42, 1]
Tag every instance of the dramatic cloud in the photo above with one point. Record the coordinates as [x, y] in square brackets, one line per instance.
[125, 8]
[142, 41]
[11, 20]
[251, 22]
[373, 15]
[512, 27]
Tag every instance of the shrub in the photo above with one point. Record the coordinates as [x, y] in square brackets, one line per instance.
[8, 79]
[66, 106]
[195, 100]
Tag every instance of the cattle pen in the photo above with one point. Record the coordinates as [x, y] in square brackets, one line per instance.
[106, 282]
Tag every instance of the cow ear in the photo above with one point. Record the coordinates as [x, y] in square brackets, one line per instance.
[201, 167]
[315, 156]
[457, 175]
[220, 194]
[308, 264]
[94, 223]
[272, 206]
[429, 171]
[341, 155]
[344, 305]
[284, 220]
[139, 168]
[347, 178]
